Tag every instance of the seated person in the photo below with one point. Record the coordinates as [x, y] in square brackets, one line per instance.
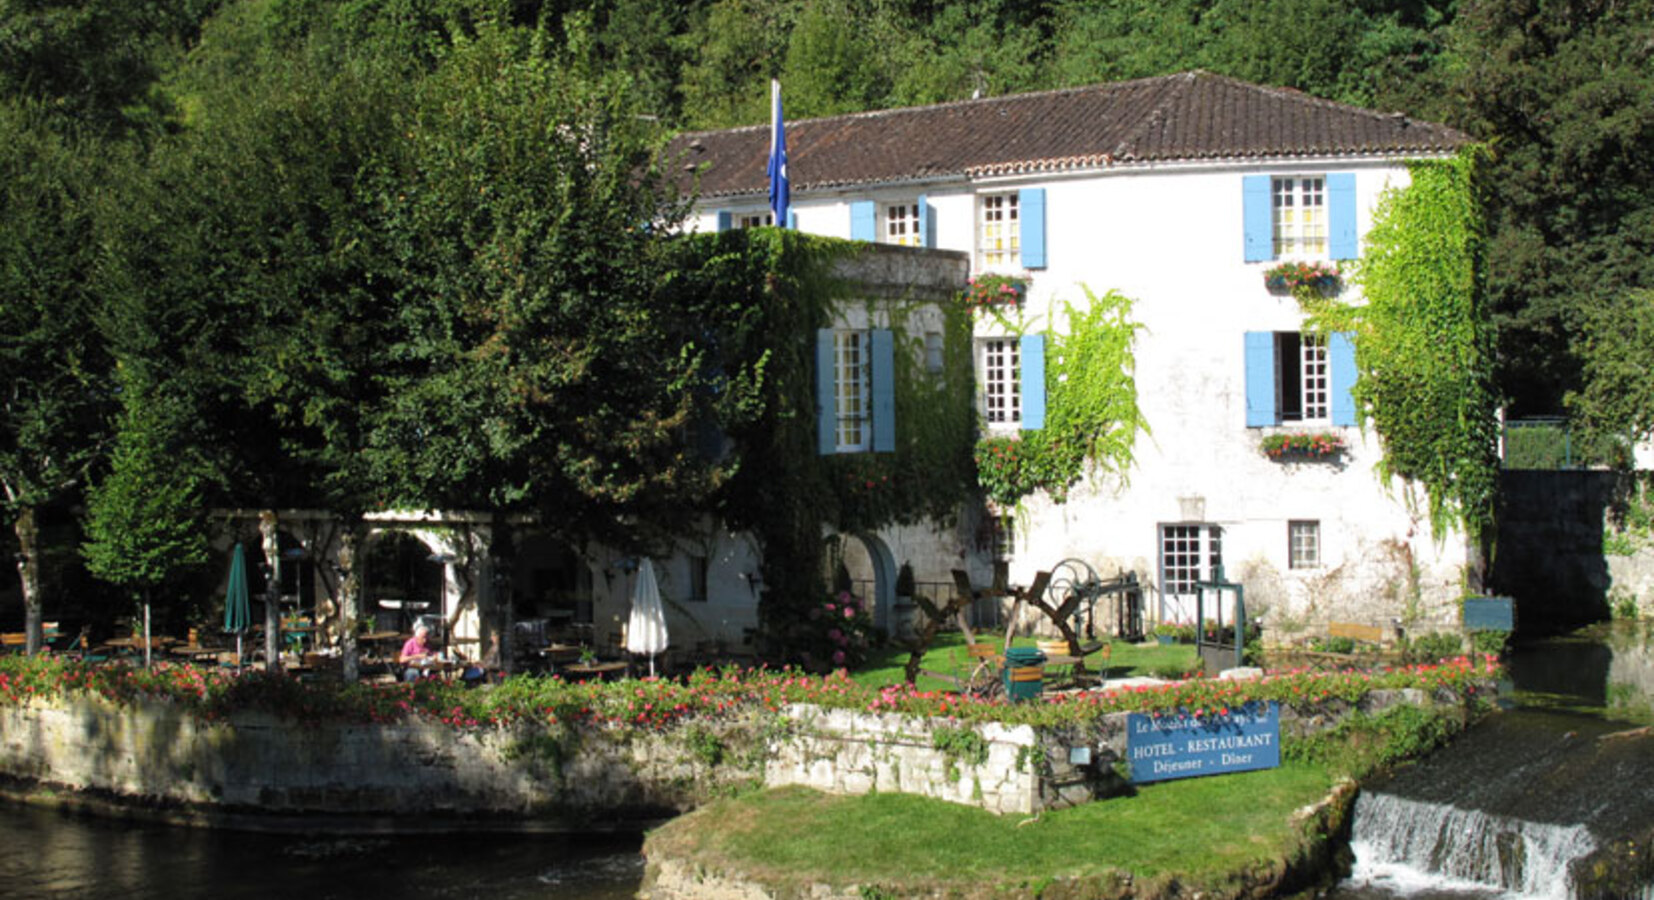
[480, 671]
[416, 652]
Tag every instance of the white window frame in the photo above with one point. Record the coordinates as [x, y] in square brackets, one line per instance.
[899, 224]
[853, 391]
[1309, 385]
[1189, 552]
[1303, 537]
[755, 220]
[1300, 217]
[999, 366]
[998, 232]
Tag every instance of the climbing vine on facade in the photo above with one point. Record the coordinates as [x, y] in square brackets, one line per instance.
[1424, 344]
[764, 294]
[1091, 408]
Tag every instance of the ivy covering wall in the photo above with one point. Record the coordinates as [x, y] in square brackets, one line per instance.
[766, 293]
[1091, 407]
[1424, 343]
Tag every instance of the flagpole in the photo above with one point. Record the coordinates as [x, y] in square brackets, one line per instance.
[780, 187]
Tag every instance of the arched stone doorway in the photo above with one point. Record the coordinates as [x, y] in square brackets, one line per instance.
[865, 559]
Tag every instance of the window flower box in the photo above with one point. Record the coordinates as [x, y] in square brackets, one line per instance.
[1324, 445]
[1317, 279]
[992, 290]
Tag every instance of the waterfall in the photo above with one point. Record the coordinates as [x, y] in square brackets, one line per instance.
[1465, 847]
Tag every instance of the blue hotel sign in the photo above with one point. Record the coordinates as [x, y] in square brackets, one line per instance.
[1183, 746]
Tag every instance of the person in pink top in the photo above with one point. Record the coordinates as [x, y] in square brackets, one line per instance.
[415, 652]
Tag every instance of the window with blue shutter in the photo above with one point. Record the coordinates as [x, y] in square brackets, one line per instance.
[1341, 359]
[884, 391]
[927, 223]
[1308, 216]
[792, 219]
[826, 393]
[1032, 214]
[855, 391]
[725, 220]
[1033, 382]
[864, 221]
[1292, 377]
[1260, 226]
[1341, 215]
[1260, 379]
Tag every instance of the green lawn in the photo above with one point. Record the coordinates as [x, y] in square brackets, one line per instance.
[1202, 830]
[947, 657]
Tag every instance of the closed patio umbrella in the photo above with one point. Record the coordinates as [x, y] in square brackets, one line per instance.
[646, 627]
[238, 612]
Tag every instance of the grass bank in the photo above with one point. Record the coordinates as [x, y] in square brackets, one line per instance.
[1251, 834]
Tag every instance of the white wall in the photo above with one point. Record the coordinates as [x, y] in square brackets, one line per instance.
[1171, 237]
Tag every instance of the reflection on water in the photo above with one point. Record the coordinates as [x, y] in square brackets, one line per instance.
[46, 854]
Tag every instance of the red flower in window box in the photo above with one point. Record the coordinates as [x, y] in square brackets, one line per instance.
[1303, 445]
[986, 291]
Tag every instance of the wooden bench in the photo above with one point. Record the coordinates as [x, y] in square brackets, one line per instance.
[1372, 634]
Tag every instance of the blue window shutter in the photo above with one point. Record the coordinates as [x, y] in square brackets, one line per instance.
[1032, 352]
[927, 223]
[826, 393]
[1031, 214]
[1260, 379]
[884, 391]
[725, 220]
[864, 221]
[1341, 356]
[792, 219]
[1341, 215]
[1257, 218]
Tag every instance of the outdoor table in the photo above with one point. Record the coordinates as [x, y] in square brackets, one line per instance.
[556, 653]
[194, 654]
[136, 643]
[606, 671]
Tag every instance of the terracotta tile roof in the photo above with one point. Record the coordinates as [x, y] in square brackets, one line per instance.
[1190, 116]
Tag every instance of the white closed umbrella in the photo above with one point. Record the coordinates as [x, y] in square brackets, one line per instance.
[646, 627]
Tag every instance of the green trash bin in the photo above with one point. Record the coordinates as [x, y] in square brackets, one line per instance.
[1024, 673]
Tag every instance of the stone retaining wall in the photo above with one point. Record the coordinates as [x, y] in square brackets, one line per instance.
[159, 756]
[1004, 769]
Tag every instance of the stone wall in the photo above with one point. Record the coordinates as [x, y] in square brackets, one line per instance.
[158, 756]
[1549, 556]
[1003, 769]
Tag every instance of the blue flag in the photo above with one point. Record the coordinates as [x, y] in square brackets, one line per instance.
[780, 190]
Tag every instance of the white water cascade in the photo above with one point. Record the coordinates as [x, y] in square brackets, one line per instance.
[1438, 845]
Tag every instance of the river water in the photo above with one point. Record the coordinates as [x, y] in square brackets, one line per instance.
[1565, 770]
[48, 854]
[1537, 776]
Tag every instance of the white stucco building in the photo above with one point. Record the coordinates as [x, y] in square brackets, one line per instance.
[1179, 192]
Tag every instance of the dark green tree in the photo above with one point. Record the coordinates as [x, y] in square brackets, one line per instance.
[1564, 92]
[53, 371]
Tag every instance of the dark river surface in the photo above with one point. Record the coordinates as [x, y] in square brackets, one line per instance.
[1561, 689]
[45, 853]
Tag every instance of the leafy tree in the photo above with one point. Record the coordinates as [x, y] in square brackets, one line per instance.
[736, 47]
[52, 367]
[1616, 398]
[535, 367]
[94, 62]
[145, 519]
[1565, 93]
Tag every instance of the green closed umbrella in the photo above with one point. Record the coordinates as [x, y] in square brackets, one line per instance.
[238, 607]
